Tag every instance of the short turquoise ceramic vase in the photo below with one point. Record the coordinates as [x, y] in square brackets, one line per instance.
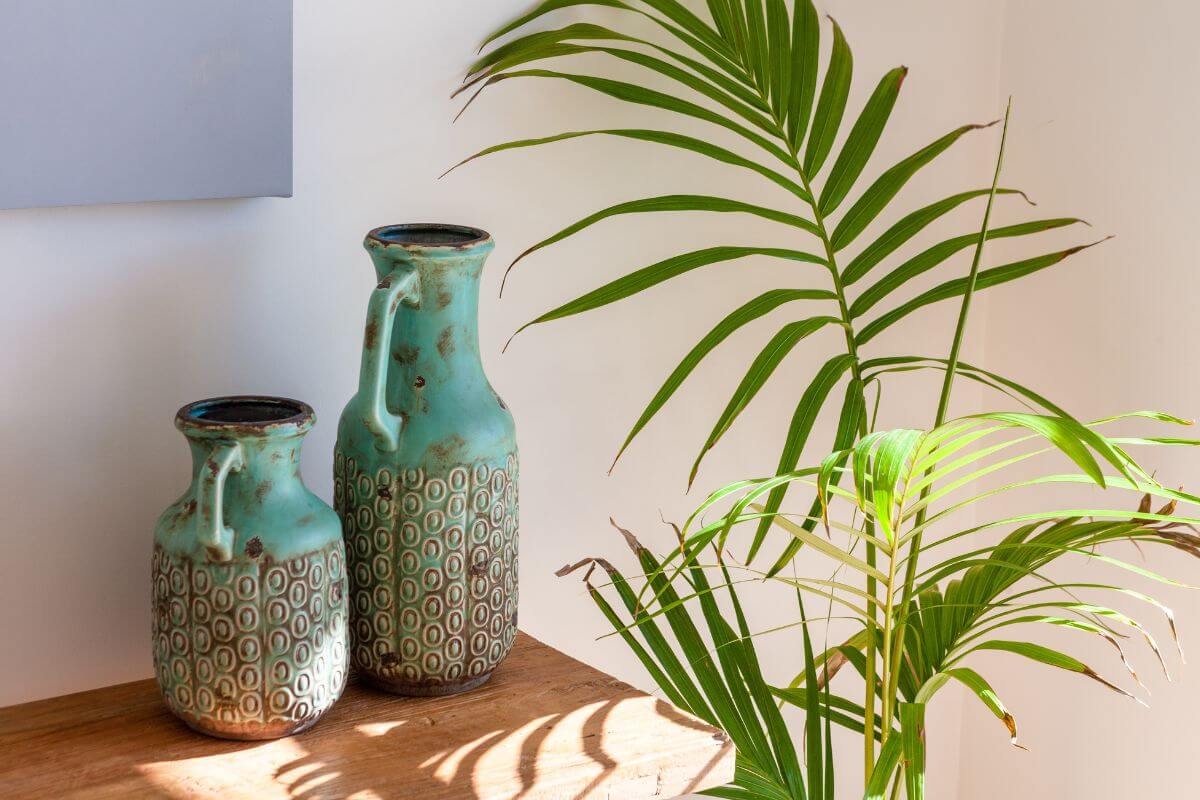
[250, 618]
[425, 474]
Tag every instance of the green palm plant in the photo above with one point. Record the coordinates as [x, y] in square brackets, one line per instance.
[965, 600]
[922, 609]
[962, 602]
[752, 69]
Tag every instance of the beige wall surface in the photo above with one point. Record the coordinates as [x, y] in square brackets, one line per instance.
[1105, 129]
[113, 316]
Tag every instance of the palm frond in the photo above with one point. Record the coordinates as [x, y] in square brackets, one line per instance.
[741, 84]
[752, 69]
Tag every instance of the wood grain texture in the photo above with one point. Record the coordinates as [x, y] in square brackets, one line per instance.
[546, 727]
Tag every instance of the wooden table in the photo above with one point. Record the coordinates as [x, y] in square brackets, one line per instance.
[545, 728]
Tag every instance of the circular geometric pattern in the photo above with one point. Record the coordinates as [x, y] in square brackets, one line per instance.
[234, 641]
[433, 576]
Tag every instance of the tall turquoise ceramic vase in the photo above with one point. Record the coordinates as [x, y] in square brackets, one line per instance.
[249, 575]
[425, 474]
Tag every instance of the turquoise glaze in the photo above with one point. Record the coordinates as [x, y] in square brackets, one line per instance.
[250, 617]
[425, 473]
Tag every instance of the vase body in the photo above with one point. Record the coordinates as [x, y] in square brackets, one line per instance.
[250, 619]
[425, 474]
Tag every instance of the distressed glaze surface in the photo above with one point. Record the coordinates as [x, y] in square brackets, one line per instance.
[251, 643]
[252, 649]
[430, 516]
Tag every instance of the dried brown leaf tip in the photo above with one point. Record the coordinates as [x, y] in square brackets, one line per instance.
[678, 534]
[1010, 722]
[591, 564]
[631, 540]
[563, 572]
[1169, 509]
[1090, 673]
[1144, 506]
[832, 665]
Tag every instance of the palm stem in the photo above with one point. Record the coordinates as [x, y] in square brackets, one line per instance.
[964, 310]
[947, 385]
[856, 373]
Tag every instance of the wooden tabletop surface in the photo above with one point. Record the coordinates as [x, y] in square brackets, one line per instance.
[546, 727]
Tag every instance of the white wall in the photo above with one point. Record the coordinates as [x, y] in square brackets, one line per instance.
[1104, 128]
[115, 316]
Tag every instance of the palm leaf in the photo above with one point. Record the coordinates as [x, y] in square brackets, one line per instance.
[849, 423]
[805, 416]
[528, 48]
[706, 43]
[912, 734]
[708, 82]
[659, 272]
[757, 375]
[834, 91]
[543, 8]
[881, 192]
[724, 688]
[992, 378]
[861, 141]
[723, 19]
[881, 776]
[679, 14]
[806, 32]
[938, 253]
[782, 747]
[757, 51]
[758, 307]
[673, 202]
[632, 93]
[825, 547]
[955, 288]
[980, 688]
[812, 714]
[780, 47]
[666, 138]
[909, 226]
[1050, 657]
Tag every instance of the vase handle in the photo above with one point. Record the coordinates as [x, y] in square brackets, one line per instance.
[396, 288]
[216, 537]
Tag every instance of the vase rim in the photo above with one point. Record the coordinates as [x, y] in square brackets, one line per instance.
[428, 236]
[245, 415]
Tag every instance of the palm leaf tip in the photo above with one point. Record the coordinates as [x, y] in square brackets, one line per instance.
[637, 547]
[504, 349]
[564, 571]
[466, 85]
[471, 100]
[980, 126]
[1072, 251]
[591, 564]
[1010, 722]
[456, 166]
[1088, 672]
[504, 277]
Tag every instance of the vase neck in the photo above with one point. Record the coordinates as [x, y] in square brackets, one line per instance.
[268, 431]
[274, 459]
[443, 324]
[435, 341]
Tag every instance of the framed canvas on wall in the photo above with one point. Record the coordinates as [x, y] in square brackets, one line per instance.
[131, 100]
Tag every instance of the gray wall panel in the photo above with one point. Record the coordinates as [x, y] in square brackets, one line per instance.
[127, 100]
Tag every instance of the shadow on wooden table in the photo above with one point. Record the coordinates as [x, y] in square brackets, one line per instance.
[546, 726]
[533, 755]
[499, 763]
